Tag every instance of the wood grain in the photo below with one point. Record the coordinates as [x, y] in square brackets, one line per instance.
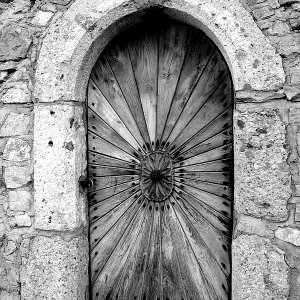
[198, 53]
[160, 156]
[101, 107]
[173, 42]
[105, 80]
[119, 60]
[143, 51]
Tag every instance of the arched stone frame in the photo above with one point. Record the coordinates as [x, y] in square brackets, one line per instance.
[67, 56]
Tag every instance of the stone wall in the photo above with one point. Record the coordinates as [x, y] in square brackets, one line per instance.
[31, 253]
[44, 256]
[267, 232]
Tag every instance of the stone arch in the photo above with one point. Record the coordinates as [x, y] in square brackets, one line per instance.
[67, 55]
[74, 42]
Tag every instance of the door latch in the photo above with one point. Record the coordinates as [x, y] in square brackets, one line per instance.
[86, 183]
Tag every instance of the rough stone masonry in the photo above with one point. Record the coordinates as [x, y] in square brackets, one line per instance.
[45, 257]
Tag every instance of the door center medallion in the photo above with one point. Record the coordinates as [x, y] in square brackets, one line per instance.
[156, 179]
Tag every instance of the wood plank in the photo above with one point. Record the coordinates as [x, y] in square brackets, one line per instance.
[130, 286]
[107, 202]
[105, 80]
[143, 51]
[136, 282]
[109, 181]
[202, 176]
[101, 171]
[107, 192]
[214, 154]
[104, 240]
[192, 279]
[220, 165]
[218, 222]
[173, 41]
[223, 138]
[219, 100]
[102, 146]
[105, 160]
[112, 253]
[100, 128]
[119, 60]
[109, 219]
[209, 200]
[216, 189]
[173, 287]
[152, 279]
[213, 206]
[209, 262]
[220, 123]
[199, 51]
[213, 75]
[213, 236]
[100, 106]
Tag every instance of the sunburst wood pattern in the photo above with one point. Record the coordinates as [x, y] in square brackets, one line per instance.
[160, 156]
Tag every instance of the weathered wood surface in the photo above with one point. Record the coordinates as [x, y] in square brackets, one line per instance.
[160, 123]
[173, 43]
[143, 53]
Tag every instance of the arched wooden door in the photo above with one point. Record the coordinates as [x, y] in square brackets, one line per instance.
[160, 154]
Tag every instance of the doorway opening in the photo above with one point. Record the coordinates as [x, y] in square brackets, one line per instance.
[160, 101]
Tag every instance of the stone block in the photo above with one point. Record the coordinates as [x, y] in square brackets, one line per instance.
[263, 12]
[294, 284]
[292, 66]
[290, 2]
[292, 253]
[48, 6]
[297, 212]
[250, 225]
[16, 93]
[14, 42]
[294, 71]
[294, 116]
[8, 65]
[292, 93]
[297, 189]
[15, 10]
[295, 22]
[60, 160]
[16, 149]
[19, 200]
[289, 234]
[2, 229]
[11, 251]
[287, 44]
[257, 96]
[20, 221]
[259, 270]
[61, 2]
[262, 179]
[15, 121]
[5, 295]
[279, 28]
[41, 18]
[3, 76]
[9, 276]
[17, 176]
[56, 269]
[254, 2]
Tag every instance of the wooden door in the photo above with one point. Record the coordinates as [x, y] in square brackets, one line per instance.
[160, 156]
